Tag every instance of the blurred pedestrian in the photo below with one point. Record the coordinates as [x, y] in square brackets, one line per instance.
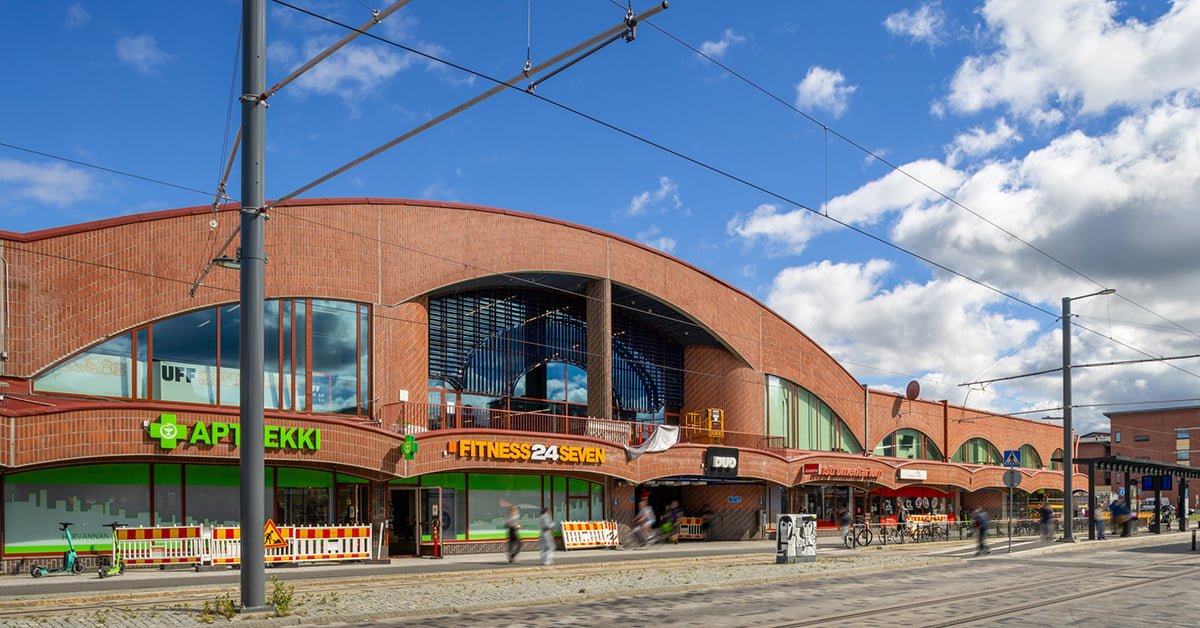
[513, 523]
[671, 520]
[546, 536]
[1098, 516]
[644, 522]
[845, 522]
[1046, 521]
[981, 523]
[706, 517]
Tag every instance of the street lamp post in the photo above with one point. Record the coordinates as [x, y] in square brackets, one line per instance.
[1067, 462]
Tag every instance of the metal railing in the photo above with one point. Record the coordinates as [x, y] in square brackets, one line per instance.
[417, 418]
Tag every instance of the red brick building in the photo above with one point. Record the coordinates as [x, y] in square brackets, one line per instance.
[463, 330]
[1161, 435]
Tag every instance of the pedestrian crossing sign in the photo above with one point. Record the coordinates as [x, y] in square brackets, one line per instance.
[1012, 457]
[272, 537]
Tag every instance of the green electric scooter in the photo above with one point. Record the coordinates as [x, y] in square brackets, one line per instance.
[117, 567]
[71, 562]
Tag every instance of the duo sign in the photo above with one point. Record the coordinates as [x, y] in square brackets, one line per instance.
[170, 434]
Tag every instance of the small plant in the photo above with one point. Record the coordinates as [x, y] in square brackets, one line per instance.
[222, 606]
[281, 597]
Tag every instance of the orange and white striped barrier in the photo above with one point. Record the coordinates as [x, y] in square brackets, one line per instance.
[690, 528]
[588, 534]
[176, 545]
[308, 544]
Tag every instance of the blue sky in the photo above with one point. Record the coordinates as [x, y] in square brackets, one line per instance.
[1044, 149]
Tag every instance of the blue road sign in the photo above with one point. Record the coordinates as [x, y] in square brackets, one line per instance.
[1012, 457]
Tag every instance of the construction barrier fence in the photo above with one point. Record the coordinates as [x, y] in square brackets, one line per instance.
[203, 545]
[589, 534]
[691, 528]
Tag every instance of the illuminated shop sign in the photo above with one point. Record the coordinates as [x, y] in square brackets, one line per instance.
[534, 452]
[857, 473]
[170, 435]
[721, 461]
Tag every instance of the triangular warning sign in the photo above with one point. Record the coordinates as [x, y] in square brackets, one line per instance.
[1012, 460]
[272, 538]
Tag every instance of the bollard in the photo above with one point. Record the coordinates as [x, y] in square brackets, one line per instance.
[1193, 540]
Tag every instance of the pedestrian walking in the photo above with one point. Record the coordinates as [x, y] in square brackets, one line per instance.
[671, 520]
[706, 517]
[981, 523]
[1098, 516]
[845, 522]
[513, 523]
[1046, 521]
[546, 536]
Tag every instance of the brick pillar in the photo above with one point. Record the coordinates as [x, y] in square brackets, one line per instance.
[599, 347]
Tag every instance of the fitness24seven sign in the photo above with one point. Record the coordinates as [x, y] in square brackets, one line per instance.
[170, 434]
[721, 461]
[535, 452]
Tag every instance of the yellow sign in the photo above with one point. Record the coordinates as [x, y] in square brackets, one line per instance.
[272, 537]
[534, 452]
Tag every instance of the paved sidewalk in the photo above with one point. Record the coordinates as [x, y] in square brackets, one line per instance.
[333, 594]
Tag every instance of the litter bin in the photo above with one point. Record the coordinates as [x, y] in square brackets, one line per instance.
[796, 538]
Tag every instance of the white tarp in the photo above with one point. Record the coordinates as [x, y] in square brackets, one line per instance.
[661, 439]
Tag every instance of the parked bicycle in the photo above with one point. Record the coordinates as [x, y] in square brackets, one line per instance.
[860, 535]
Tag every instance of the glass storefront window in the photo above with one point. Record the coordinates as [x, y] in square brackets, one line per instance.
[168, 495]
[977, 451]
[105, 370]
[213, 495]
[803, 420]
[907, 442]
[490, 496]
[185, 358]
[335, 357]
[88, 496]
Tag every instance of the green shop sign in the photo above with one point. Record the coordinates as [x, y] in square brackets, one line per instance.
[170, 434]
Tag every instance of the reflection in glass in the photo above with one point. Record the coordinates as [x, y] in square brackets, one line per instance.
[104, 370]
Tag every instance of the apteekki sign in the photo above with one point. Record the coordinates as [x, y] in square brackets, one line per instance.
[170, 434]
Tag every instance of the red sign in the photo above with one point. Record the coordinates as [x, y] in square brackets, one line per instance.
[858, 473]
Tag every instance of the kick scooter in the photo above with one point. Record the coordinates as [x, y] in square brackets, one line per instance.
[117, 567]
[71, 562]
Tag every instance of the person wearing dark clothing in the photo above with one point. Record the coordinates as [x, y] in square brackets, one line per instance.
[981, 523]
[845, 522]
[513, 523]
[1046, 521]
[706, 517]
[671, 520]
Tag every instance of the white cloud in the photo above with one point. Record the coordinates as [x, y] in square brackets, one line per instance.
[792, 229]
[978, 141]
[824, 89]
[717, 49]
[903, 189]
[653, 237]
[77, 15]
[142, 52]
[1078, 54]
[52, 184]
[350, 73]
[848, 309]
[923, 25]
[664, 199]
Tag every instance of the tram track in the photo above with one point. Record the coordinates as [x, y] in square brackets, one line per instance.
[193, 598]
[1131, 577]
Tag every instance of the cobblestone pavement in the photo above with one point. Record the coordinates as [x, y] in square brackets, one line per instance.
[725, 584]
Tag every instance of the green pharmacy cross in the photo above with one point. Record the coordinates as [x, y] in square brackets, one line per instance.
[167, 432]
[409, 448]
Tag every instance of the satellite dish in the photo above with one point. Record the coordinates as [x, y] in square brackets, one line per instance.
[913, 390]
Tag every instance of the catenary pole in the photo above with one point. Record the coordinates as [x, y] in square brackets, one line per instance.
[252, 259]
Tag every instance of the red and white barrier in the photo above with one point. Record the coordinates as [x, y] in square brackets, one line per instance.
[176, 545]
[588, 534]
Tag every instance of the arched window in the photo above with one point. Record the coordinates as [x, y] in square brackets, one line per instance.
[1030, 458]
[1056, 460]
[977, 451]
[908, 443]
[194, 357]
[804, 421]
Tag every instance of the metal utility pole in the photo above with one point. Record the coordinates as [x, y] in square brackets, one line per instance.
[251, 260]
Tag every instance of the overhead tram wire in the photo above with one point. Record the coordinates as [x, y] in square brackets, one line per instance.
[627, 25]
[103, 168]
[376, 18]
[512, 85]
[905, 173]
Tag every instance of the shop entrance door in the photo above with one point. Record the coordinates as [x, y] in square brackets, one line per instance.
[404, 522]
[432, 518]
